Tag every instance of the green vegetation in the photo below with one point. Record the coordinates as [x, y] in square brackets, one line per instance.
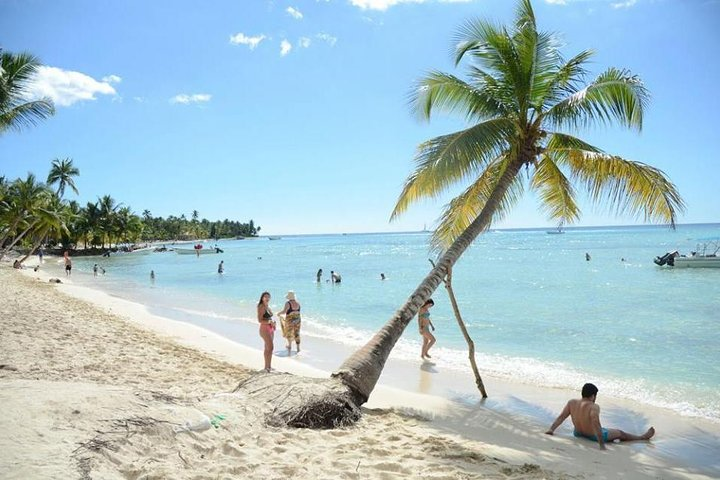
[16, 110]
[32, 214]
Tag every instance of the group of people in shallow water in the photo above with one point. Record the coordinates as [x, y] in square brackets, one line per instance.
[290, 322]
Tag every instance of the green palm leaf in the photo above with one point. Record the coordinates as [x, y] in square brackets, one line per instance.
[628, 187]
[446, 93]
[615, 95]
[445, 160]
[17, 71]
[557, 196]
[464, 209]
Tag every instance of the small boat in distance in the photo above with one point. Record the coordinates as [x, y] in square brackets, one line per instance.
[274, 238]
[198, 251]
[706, 256]
[558, 231]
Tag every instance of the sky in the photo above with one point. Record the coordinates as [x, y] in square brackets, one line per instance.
[295, 114]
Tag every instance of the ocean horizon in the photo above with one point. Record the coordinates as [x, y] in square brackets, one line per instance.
[539, 313]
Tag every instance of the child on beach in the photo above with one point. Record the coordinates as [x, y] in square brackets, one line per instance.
[425, 325]
[267, 327]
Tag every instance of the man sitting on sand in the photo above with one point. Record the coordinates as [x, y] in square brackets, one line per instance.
[585, 416]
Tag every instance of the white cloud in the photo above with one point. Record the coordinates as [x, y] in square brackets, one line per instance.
[627, 4]
[304, 42]
[294, 12]
[186, 99]
[556, 2]
[327, 38]
[66, 87]
[112, 79]
[242, 39]
[285, 48]
[380, 4]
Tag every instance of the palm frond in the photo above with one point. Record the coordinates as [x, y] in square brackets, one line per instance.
[524, 15]
[26, 114]
[464, 209]
[474, 36]
[567, 79]
[445, 160]
[446, 93]
[628, 187]
[562, 143]
[614, 95]
[557, 195]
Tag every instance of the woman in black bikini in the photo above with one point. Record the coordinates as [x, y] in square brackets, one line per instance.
[267, 327]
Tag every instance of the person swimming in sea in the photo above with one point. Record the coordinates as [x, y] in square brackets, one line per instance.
[425, 325]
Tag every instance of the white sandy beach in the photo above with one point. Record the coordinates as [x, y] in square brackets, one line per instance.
[96, 387]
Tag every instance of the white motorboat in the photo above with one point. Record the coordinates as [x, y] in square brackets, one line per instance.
[706, 256]
[198, 251]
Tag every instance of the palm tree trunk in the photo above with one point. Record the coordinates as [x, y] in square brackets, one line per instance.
[463, 329]
[17, 239]
[32, 249]
[361, 371]
[7, 234]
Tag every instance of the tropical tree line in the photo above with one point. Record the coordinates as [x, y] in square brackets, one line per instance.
[35, 213]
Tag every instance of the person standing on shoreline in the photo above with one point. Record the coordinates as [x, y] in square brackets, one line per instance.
[585, 416]
[68, 264]
[291, 321]
[267, 328]
[41, 253]
[425, 325]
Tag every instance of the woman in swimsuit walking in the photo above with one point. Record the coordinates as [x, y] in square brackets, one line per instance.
[267, 327]
[425, 325]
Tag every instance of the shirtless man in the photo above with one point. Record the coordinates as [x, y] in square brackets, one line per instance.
[585, 415]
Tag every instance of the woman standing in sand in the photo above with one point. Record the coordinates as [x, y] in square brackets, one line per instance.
[291, 322]
[425, 325]
[267, 327]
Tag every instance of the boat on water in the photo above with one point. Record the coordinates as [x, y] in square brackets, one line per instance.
[557, 231]
[274, 238]
[705, 256]
[142, 250]
[198, 251]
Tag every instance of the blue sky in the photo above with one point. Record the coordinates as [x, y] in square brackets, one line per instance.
[294, 113]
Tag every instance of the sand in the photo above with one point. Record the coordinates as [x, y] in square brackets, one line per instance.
[93, 386]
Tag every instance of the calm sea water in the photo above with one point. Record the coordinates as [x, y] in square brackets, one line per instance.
[538, 311]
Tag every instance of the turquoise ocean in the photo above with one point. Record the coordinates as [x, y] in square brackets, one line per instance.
[539, 313]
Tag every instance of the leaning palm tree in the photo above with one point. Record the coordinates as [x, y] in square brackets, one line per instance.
[62, 172]
[50, 219]
[17, 110]
[25, 197]
[520, 99]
